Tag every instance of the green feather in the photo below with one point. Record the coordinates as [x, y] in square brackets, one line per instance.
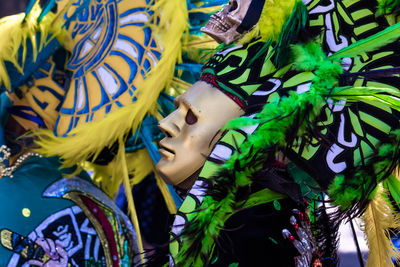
[263, 50]
[365, 91]
[387, 6]
[387, 96]
[382, 38]
[290, 32]
[261, 197]
[347, 191]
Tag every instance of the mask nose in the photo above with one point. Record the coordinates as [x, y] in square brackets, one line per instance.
[171, 125]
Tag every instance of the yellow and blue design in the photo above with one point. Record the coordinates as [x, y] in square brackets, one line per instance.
[113, 51]
[82, 78]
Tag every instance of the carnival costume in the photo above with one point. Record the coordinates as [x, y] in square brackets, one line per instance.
[71, 74]
[318, 81]
[59, 71]
[324, 74]
[47, 219]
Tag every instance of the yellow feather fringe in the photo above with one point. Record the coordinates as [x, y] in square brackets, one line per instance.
[378, 220]
[274, 15]
[169, 201]
[139, 165]
[81, 142]
[129, 197]
[14, 34]
[199, 48]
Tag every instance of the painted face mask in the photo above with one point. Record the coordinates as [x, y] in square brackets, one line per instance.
[192, 130]
[236, 18]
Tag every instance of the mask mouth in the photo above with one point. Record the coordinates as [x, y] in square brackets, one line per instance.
[216, 23]
[166, 151]
[216, 26]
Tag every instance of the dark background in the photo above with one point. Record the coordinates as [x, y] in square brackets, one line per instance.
[9, 7]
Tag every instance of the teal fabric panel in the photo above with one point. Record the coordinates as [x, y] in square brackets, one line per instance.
[24, 191]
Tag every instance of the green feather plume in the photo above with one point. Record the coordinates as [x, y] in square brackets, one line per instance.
[347, 192]
[386, 7]
[290, 32]
[382, 38]
[387, 96]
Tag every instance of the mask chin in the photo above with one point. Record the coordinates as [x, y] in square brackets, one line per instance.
[221, 37]
[188, 183]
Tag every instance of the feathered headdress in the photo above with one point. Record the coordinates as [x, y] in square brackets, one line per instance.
[318, 111]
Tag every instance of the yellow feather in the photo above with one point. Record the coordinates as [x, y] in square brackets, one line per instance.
[129, 197]
[63, 6]
[274, 15]
[14, 34]
[140, 165]
[166, 194]
[208, 10]
[177, 87]
[378, 219]
[199, 48]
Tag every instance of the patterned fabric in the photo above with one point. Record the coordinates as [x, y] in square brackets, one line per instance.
[113, 50]
[71, 213]
[358, 127]
[45, 95]
[233, 72]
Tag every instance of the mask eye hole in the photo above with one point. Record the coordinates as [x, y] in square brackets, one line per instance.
[234, 6]
[190, 117]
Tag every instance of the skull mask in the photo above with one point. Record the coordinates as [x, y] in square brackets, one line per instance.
[235, 18]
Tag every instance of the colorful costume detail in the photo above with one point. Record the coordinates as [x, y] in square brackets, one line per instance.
[93, 94]
[329, 89]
